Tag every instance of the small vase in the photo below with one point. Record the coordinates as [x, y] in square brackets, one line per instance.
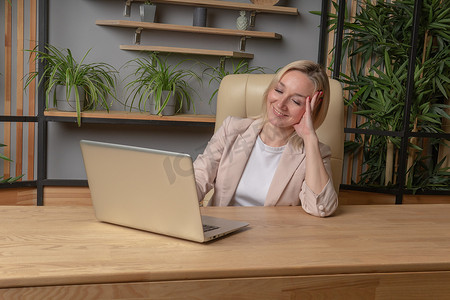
[168, 110]
[147, 12]
[68, 103]
[242, 21]
[199, 17]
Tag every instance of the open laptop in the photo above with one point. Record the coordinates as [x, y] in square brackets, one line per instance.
[148, 189]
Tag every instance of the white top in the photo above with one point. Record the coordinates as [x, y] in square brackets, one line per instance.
[257, 176]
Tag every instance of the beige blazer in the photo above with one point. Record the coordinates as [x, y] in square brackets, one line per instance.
[223, 161]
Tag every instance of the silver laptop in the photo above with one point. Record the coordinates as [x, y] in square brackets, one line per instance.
[148, 189]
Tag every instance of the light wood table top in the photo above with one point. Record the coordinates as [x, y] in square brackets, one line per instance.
[43, 246]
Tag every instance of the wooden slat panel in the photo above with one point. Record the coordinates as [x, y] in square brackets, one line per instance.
[18, 196]
[363, 198]
[32, 94]
[30, 152]
[444, 150]
[19, 87]
[351, 156]
[426, 199]
[7, 92]
[67, 196]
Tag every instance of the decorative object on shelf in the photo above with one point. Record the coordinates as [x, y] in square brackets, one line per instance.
[242, 20]
[216, 74]
[200, 15]
[98, 80]
[154, 76]
[169, 102]
[264, 2]
[147, 11]
[66, 97]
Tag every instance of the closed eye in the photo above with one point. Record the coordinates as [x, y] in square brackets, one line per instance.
[298, 101]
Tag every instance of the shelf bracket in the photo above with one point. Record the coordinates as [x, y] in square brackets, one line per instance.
[242, 43]
[127, 11]
[252, 18]
[137, 36]
[222, 62]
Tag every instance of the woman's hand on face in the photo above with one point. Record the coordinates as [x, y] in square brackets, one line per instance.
[305, 127]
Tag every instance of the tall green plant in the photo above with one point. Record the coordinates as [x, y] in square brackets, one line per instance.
[377, 45]
[98, 79]
[152, 75]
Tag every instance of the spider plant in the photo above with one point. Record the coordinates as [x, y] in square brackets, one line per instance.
[98, 79]
[155, 79]
[216, 74]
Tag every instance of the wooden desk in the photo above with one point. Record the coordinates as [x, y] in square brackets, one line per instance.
[363, 252]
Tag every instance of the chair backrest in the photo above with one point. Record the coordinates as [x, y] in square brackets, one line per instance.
[241, 95]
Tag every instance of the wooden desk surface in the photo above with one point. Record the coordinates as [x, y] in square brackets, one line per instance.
[49, 246]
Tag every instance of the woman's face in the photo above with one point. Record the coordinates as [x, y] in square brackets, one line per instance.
[286, 101]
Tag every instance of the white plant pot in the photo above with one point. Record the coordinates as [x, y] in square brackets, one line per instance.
[169, 109]
[147, 12]
[65, 103]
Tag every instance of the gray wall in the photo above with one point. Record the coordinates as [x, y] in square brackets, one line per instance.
[72, 25]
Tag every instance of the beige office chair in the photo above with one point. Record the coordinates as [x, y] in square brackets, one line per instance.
[241, 95]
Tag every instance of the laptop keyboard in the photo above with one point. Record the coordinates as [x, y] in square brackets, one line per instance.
[209, 227]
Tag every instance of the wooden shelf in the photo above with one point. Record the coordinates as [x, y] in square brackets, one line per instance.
[191, 29]
[243, 34]
[222, 53]
[232, 5]
[123, 115]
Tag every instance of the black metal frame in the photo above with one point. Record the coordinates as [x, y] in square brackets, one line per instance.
[401, 171]
[42, 123]
[24, 119]
[405, 133]
[30, 183]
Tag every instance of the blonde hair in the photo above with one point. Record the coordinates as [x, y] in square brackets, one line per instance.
[318, 76]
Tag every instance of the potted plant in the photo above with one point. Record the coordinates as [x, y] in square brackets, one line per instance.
[216, 74]
[158, 84]
[147, 11]
[86, 84]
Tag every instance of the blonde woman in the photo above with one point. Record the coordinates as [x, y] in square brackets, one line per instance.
[275, 159]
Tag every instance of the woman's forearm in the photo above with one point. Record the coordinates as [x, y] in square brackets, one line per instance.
[316, 176]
